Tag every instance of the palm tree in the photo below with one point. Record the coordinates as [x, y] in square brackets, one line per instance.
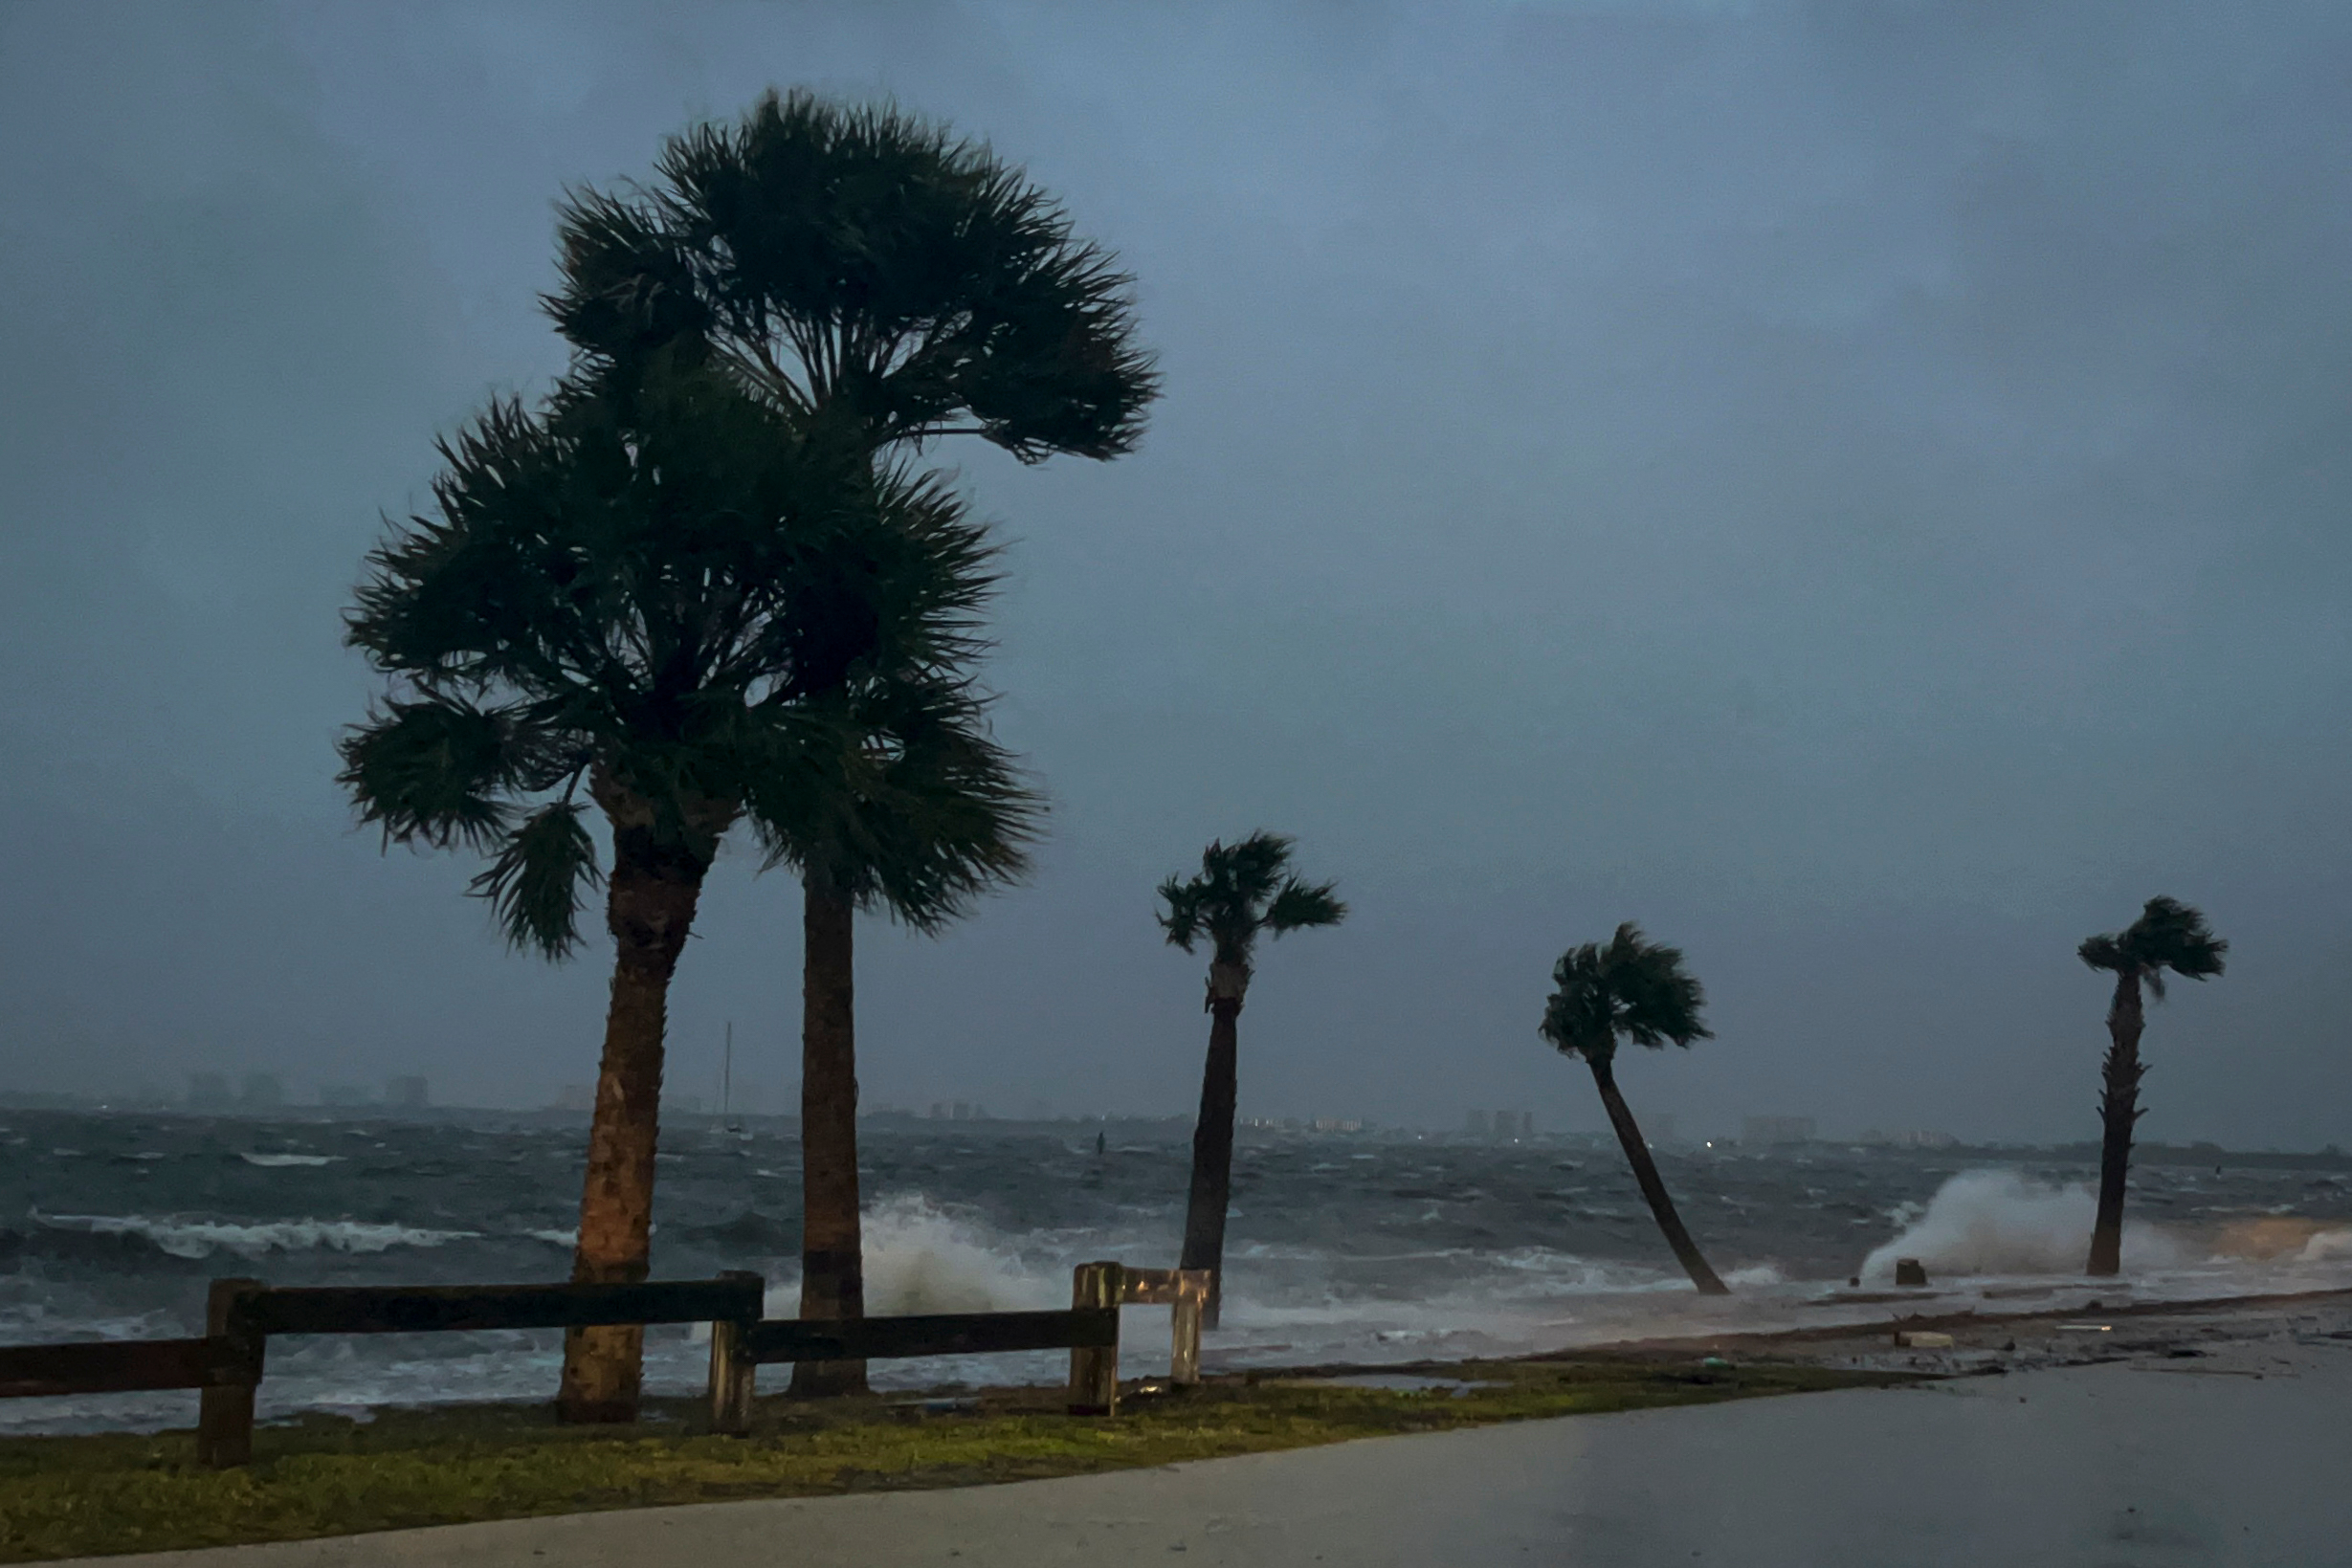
[650, 588]
[2168, 935]
[1638, 990]
[874, 281]
[916, 839]
[1242, 890]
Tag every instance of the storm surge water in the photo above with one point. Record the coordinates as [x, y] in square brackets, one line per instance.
[1366, 1248]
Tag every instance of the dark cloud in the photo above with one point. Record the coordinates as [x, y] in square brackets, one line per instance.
[1858, 488]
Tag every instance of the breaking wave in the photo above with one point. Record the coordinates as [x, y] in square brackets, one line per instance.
[920, 1258]
[1999, 1222]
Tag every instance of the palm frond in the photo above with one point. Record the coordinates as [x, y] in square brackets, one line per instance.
[539, 880]
[1631, 988]
[895, 795]
[868, 273]
[2168, 936]
[1300, 906]
[1181, 916]
[431, 771]
[1242, 889]
[2104, 953]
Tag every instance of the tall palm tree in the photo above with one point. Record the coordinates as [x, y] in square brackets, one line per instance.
[918, 814]
[650, 588]
[1243, 889]
[1633, 989]
[2168, 935]
[875, 280]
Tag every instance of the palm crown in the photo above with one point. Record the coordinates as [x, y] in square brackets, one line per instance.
[1243, 889]
[652, 585]
[866, 273]
[2168, 936]
[1631, 988]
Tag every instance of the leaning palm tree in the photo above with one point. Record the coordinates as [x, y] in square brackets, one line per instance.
[2168, 935]
[1638, 990]
[651, 594]
[1242, 890]
[874, 281]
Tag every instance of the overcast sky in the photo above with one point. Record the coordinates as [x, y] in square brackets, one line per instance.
[1859, 489]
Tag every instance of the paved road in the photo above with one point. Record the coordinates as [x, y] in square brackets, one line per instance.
[2242, 1457]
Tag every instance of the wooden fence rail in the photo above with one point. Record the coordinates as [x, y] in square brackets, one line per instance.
[120, 1366]
[1094, 1369]
[242, 1314]
[440, 1309]
[944, 1334]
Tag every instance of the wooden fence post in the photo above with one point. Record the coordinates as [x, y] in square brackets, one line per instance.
[1094, 1369]
[1183, 1364]
[225, 1414]
[732, 1368]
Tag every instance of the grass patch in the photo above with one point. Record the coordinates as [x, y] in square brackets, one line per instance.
[322, 1475]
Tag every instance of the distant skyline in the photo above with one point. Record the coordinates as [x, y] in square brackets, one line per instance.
[1861, 491]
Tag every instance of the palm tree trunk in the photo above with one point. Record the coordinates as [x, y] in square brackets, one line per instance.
[1653, 1189]
[650, 908]
[2119, 1108]
[833, 1273]
[1212, 1154]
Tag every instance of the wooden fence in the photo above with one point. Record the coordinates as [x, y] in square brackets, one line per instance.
[241, 1315]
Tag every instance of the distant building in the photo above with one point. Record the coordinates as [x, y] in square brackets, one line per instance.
[1478, 1124]
[1338, 1124]
[1917, 1139]
[404, 1094]
[1766, 1131]
[261, 1092]
[1515, 1124]
[208, 1091]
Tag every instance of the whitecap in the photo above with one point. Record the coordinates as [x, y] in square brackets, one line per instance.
[277, 1162]
[183, 1238]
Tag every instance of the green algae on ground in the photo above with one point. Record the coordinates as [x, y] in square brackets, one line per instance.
[74, 1496]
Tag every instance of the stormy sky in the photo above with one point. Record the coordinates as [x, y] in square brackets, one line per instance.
[1861, 490]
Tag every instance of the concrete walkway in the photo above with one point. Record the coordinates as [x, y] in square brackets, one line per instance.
[2241, 1456]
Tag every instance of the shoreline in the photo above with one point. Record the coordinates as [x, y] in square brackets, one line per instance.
[404, 1467]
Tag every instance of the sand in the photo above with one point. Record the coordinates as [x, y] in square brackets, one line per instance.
[2214, 1437]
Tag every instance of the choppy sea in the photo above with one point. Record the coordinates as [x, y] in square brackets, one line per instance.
[1342, 1248]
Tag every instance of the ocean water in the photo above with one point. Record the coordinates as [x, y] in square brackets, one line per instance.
[1364, 1247]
